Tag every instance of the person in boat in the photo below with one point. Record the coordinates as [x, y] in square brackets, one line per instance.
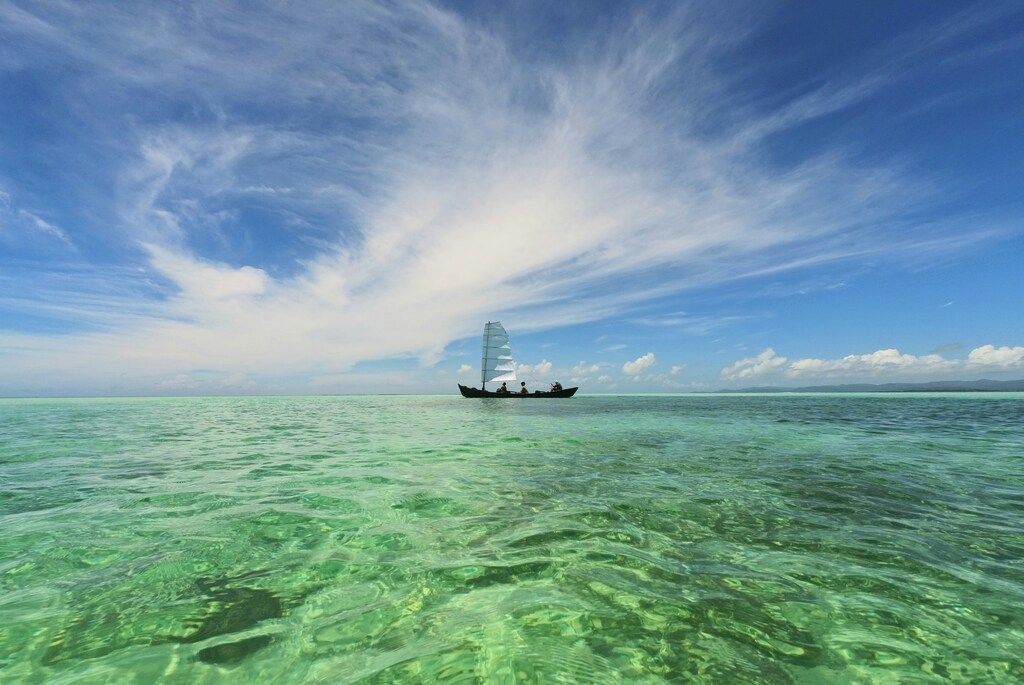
[523, 390]
[503, 390]
[556, 386]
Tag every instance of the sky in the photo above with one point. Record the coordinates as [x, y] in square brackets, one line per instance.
[322, 197]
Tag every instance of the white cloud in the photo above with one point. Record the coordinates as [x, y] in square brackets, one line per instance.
[207, 283]
[583, 368]
[677, 369]
[541, 368]
[45, 227]
[27, 224]
[697, 325]
[581, 372]
[879, 366]
[639, 365]
[597, 168]
[989, 356]
[464, 369]
[878, 363]
[604, 379]
[764, 364]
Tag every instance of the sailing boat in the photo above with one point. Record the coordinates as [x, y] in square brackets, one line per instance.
[498, 366]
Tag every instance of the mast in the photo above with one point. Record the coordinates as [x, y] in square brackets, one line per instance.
[483, 359]
[497, 363]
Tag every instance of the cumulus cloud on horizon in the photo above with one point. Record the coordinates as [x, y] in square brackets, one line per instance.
[881, 364]
[990, 356]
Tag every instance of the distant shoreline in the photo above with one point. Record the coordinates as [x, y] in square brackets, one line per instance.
[979, 386]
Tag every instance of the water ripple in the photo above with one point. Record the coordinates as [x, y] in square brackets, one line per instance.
[701, 538]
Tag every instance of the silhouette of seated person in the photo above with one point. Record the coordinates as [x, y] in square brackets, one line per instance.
[523, 390]
[503, 390]
[556, 386]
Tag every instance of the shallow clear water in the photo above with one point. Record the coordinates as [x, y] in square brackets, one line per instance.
[811, 538]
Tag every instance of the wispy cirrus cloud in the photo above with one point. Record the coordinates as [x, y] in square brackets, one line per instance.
[697, 325]
[404, 173]
[18, 224]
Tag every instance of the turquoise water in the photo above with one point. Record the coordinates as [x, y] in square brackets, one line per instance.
[821, 538]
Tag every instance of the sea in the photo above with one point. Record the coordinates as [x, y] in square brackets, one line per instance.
[815, 538]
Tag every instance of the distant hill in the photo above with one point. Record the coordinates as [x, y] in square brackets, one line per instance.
[983, 385]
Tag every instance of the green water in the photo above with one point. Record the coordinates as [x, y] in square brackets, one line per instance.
[600, 539]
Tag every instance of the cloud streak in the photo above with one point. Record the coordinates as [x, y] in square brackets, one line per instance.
[20, 224]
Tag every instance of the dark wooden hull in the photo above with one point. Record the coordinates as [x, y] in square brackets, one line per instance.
[474, 392]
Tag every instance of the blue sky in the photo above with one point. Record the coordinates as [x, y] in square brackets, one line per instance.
[220, 197]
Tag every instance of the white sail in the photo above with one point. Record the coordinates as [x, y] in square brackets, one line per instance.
[497, 363]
